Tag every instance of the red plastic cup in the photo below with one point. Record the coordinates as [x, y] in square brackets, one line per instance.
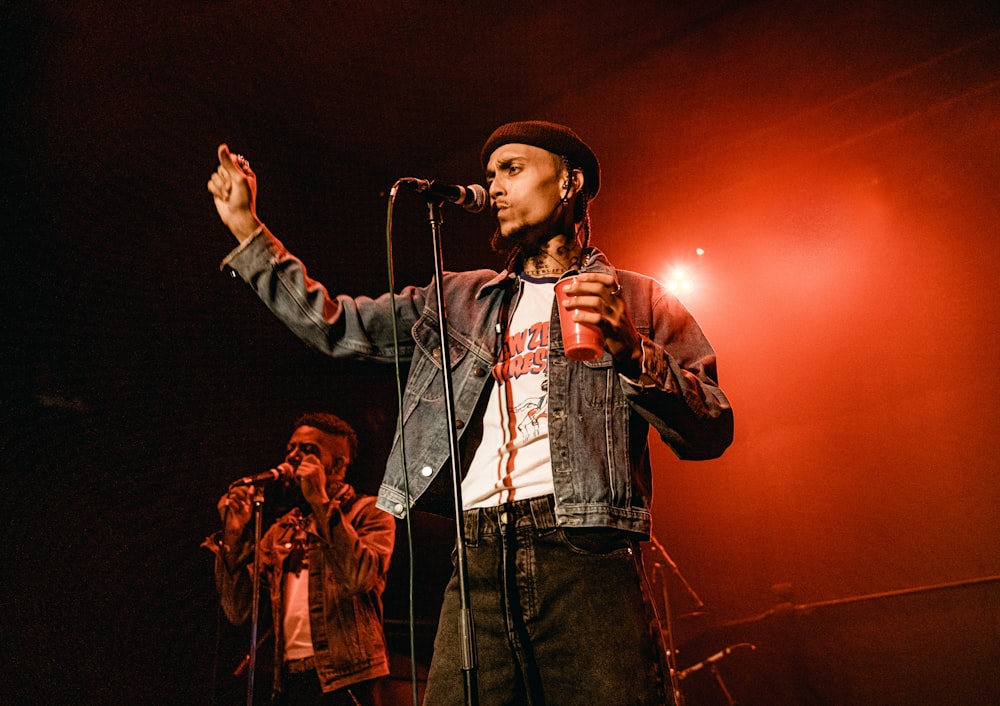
[582, 341]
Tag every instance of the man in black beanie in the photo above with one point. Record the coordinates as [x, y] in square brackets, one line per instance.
[556, 482]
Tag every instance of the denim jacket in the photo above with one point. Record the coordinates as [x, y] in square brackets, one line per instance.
[598, 419]
[346, 581]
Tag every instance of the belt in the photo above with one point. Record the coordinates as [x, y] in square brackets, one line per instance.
[538, 512]
[297, 666]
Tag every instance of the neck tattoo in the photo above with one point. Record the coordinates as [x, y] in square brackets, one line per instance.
[544, 271]
[548, 264]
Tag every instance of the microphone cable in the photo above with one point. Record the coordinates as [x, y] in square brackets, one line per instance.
[402, 439]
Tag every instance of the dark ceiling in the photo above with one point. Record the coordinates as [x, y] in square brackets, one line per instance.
[837, 162]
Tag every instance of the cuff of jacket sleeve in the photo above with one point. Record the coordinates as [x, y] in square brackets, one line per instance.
[654, 372]
[232, 558]
[241, 247]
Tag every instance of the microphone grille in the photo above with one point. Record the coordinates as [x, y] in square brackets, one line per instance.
[479, 198]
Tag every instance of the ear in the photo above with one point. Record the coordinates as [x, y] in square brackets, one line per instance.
[575, 181]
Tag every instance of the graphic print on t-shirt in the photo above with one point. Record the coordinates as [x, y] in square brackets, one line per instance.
[524, 352]
[531, 413]
[512, 461]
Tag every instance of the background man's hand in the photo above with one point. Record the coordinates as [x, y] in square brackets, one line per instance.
[311, 477]
[235, 509]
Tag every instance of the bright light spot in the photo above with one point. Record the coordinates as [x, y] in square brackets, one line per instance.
[679, 281]
[699, 251]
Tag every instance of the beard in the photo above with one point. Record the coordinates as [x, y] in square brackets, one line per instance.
[506, 245]
[525, 240]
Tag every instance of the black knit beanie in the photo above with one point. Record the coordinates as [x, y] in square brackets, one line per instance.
[557, 139]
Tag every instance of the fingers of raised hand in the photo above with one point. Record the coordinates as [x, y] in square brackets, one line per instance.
[309, 465]
[221, 185]
[231, 170]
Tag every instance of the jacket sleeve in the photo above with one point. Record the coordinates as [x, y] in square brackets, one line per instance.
[232, 577]
[360, 546]
[339, 326]
[677, 391]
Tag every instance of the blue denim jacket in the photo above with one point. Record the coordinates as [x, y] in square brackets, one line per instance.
[598, 420]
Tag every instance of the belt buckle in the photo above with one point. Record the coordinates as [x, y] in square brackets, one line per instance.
[297, 666]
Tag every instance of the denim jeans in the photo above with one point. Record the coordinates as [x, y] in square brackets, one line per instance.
[303, 689]
[561, 616]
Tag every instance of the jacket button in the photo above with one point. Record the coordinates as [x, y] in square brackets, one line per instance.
[479, 372]
[459, 424]
[436, 353]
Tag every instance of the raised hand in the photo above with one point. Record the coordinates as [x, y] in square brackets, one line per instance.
[234, 189]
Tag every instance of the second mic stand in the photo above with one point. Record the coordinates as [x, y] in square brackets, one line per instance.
[466, 625]
[258, 511]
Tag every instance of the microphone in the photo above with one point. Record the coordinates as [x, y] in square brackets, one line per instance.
[473, 198]
[266, 477]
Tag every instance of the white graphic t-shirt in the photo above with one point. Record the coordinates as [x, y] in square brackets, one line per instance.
[513, 462]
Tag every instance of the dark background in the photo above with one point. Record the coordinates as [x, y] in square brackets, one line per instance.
[837, 161]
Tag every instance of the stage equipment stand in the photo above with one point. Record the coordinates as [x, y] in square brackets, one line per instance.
[466, 627]
[699, 608]
[667, 623]
[258, 512]
[676, 676]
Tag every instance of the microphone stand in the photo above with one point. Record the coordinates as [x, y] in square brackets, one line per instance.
[258, 506]
[466, 626]
[699, 608]
[671, 649]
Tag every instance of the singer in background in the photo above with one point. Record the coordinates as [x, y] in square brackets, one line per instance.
[324, 567]
[556, 482]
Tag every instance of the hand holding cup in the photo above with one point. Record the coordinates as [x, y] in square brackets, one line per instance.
[582, 341]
